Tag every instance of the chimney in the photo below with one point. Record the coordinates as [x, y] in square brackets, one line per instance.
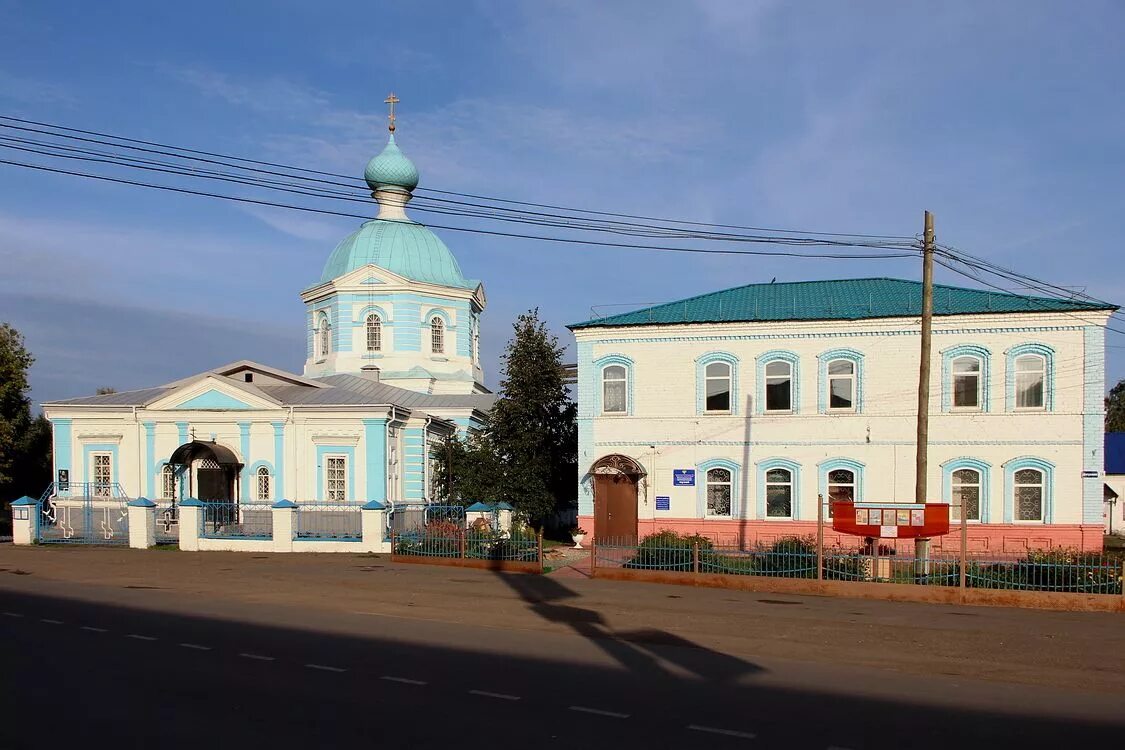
[370, 371]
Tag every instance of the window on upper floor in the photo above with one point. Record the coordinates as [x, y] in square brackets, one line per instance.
[779, 386]
[1031, 375]
[719, 492]
[841, 385]
[615, 389]
[167, 482]
[965, 493]
[1028, 490]
[263, 483]
[966, 382]
[323, 341]
[437, 335]
[374, 333]
[717, 387]
[779, 493]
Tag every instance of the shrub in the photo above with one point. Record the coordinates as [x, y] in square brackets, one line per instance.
[668, 550]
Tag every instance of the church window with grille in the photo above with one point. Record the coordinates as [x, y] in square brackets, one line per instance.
[167, 482]
[336, 478]
[437, 335]
[374, 333]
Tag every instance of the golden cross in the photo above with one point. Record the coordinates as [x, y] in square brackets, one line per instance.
[391, 100]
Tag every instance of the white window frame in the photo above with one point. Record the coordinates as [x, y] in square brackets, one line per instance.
[329, 460]
[263, 473]
[729, 378]
[954, 508]
[437, 335]
[373, 324]
[954, 375]
[766, 389]
[728, 483]
[829, 484]
[102, 488]
[1041, 371]
[1016, 484]
[789, 484]
[167, 482]
[624, 381]
[851, 378]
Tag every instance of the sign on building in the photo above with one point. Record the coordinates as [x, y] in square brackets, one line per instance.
[683, 477]
[663, 502]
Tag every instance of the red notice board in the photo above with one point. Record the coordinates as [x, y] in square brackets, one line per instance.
[891, 520]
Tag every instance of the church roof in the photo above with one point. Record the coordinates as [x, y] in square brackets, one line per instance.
[402, 246]
[390, 168]
[841, 299]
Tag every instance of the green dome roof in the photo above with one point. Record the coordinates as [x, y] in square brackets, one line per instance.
[391, 169]
[403, 247]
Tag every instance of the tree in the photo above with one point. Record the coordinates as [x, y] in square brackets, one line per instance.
[1115, 408]
[25, 442]
[527, 452]
[105, 390]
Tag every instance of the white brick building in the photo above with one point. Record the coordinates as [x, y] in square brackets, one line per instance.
[729, 413]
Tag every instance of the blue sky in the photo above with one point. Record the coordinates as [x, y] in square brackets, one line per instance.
[1005, 119]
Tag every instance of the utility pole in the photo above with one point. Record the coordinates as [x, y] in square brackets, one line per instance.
[922, 546]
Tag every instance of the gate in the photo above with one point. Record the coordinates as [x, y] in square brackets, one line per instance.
[83, 513]
[167, 522]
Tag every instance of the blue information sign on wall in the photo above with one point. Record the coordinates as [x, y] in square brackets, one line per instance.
[683, 477]
[663, 502]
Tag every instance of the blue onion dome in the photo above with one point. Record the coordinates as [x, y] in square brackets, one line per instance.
[391, 170]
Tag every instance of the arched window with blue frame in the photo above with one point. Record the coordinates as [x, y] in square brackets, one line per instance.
[779, 489]
[965, 483]
[716, 383]
[840, 480]
[615, 385]
[841, 381]
[965, 378]
[1029, 378]
[717, 484]
[1028, 490]
[778, 382]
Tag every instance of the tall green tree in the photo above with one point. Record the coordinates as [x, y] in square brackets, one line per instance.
[25, 442]
[1115, 408]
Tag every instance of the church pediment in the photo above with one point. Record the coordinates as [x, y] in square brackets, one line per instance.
[213, 393]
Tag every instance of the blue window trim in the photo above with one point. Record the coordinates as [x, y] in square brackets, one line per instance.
[963, 350]
[1048, 355]
[322, 451]
[851, 355]
[1029, 462]
[360, 318]
[701, 470]
[88, 450]
[828, 465]
[701, 381]
[794, 468]
[252, 477]
[437, 312]
[760, 394]
[599, 365]
[981, 467]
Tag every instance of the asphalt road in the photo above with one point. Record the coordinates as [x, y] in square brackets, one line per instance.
[137, 669]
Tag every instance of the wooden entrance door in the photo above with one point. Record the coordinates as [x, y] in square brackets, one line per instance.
[615, 507]
[214, 484]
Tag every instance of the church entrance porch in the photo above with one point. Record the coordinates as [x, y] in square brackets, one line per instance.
[209, 472]
[616, 479]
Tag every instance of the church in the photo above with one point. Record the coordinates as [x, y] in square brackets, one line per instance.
[392, 367]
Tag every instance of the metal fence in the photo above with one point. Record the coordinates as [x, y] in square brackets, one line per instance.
[447, 539]
[167, 522]
[341, 522]
[225, 520]
[83, 513]
[1052, 571]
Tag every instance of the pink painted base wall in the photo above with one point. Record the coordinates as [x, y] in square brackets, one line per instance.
[983, 538]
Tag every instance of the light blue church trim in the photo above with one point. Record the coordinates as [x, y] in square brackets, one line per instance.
[736, 502]
[1048, 355]
[1029, 462]
[1093, 423]
[851, 355]
[182, 430]
[794, 470]
[760, 394]
[213, 399]
[375, 445]
[334, 450]
[701, 381]
[149, 458]
[279, 458]
[408, 326]
[598, 366]
[359, 319]
[970, 350]
[63, 445]
[90, 448]
[983, 469]
[828, 465]
[587, 378]
[244, 447]
[414, 463]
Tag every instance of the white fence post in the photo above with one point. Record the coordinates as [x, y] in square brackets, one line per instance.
[142, 523]
[373, 517]
[284, 525]
[191, 516]
[25, 520]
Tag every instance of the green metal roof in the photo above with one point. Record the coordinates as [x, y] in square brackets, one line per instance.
[841, 299]
[404, 247]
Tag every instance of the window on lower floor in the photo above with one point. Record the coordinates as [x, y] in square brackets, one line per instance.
[103, 474]
[167, 482]
[1028, 489]
[719, 489]
[335, 478]
[841, 487]
[779, 493]
[262, 477]
[965, 494]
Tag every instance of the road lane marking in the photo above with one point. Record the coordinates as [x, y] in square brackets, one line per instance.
[92, 629]
[138, 637]
[50, 622]
[196, 646]
[403, 680]
[256, 657]
[599, 712]
[501, 696]
[324, 668]
[12, 614]
[724, 732]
